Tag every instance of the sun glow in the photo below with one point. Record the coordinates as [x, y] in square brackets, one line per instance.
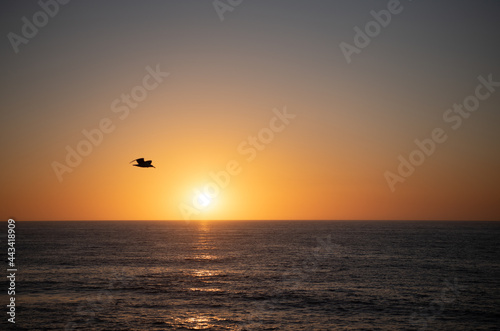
[203, 200]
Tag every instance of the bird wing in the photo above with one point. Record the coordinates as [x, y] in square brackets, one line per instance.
[141, 160]
[148, 162]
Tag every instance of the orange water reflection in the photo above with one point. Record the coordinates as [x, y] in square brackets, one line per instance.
[200, 322]
[203, 251]
[205, 273]
[199, 289]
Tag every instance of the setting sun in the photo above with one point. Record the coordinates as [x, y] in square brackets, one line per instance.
[202, 200]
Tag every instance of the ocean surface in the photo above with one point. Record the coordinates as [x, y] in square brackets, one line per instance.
[255, 276]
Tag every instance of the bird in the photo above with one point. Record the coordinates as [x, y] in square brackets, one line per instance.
[143, 164]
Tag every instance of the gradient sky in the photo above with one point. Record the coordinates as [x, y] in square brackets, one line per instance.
[352, 120]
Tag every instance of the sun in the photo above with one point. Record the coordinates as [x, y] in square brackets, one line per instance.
[202, 199]
[200, 203]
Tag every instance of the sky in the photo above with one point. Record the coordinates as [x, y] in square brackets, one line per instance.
[250, 110]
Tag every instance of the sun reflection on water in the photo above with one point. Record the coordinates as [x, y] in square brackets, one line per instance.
[202, 272]
[205, 273]
[198, 322]
[198, 289]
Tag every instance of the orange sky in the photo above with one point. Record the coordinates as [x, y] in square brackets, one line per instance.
[226, 82]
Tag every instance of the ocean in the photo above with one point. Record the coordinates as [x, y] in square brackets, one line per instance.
[277, 275]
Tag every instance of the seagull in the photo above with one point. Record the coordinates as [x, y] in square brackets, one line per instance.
[143, 164]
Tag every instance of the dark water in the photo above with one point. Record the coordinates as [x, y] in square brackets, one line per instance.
[256, 276]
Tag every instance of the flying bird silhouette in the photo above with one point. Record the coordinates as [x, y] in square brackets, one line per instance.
[143, 164]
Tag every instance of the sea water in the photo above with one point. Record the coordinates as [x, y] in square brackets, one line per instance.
[279, 275]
